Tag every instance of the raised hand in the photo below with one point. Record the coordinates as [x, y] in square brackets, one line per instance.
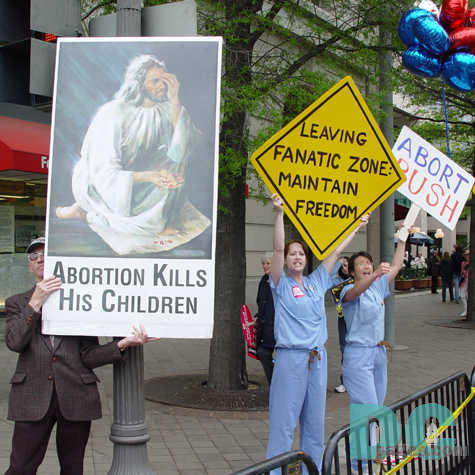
[173, 85]
[278, 202]
[43, 290]
[383, 268]
[364, 220]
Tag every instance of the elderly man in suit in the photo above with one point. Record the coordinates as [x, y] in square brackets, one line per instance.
[54, 381]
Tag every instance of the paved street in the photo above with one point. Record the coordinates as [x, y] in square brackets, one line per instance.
[186, 441]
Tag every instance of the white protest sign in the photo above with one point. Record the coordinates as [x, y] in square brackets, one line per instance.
[434, 182]
[132, 193]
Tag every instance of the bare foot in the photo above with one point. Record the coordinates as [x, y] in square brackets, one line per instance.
[170, 231]
[71, 212]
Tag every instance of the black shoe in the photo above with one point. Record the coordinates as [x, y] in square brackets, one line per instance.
[452, 300]
[443, 301]
[435, 292]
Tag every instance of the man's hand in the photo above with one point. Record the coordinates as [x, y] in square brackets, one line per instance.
[172, 95]
[165, 179]
[43, 290]
[138, 338]
[172, 86]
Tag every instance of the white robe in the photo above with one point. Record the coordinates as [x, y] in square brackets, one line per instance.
[123, 139]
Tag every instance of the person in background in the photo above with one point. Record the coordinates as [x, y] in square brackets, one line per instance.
[265, 320]
[299, 382]
[341, 275]
[434, 265]
[447, 273]
[457, 259]
[408, 260]
[463, 289]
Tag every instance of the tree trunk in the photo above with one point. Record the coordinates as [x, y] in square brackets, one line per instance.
[471, 271]
[227, 366]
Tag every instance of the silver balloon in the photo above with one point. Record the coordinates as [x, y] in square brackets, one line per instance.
[459, 72]
[421, 62]
[431, 35]
[428, 5]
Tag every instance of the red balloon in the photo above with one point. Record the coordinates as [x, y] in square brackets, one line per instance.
[462, 39]
[453, 14]
[470, 19]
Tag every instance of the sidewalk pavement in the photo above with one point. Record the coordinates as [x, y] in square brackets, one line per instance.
[188, 441]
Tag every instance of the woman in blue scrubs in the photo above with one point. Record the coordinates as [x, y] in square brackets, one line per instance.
[299, 381]
[365, 363]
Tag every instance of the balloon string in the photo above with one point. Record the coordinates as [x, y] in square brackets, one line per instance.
[446, 119]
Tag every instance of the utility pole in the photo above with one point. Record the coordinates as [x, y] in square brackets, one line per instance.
[129, 431]
[386, 230]
[129, 21]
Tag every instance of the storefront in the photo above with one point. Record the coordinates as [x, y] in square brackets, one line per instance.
[24, 153]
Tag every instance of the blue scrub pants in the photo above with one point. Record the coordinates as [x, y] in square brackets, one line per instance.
[365, 376]
[297, 394]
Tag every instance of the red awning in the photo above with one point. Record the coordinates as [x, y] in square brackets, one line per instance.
[24, 149]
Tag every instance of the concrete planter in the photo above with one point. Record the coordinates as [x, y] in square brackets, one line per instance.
[403, 284]
[421, 283]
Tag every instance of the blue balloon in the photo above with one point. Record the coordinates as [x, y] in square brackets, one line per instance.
[459, 72]
[431, 34]
[421, 62]
[405, 25]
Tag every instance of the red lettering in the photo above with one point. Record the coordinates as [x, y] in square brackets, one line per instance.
[405, 169]
[436, 196]
[414, 173]
[446, 206]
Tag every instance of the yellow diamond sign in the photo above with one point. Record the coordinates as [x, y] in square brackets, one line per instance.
[331, 165]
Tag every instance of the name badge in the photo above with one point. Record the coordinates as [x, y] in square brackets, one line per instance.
[297, 291]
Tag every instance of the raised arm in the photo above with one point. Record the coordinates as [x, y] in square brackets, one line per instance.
[331, 259]
[384, 268]
[398, 258]
[362, 285]
[279, 240]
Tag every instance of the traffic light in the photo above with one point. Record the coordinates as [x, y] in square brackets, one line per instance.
[28, 31]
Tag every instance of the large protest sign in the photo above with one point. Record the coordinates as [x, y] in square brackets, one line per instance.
[331, 165]
[132, 186]
[434, 182]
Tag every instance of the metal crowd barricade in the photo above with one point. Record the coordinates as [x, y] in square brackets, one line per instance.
[289, 463]
[450, 393]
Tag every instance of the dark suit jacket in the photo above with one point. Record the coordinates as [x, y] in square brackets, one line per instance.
[68, 366]
[265, 314]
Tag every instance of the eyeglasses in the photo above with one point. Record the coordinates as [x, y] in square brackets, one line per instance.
[34, 256]
[366, 263]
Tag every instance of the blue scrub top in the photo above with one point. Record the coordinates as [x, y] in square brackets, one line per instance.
[300, 322]
[335, 277]
[364, 316]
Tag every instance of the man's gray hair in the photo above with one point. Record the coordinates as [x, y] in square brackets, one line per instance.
[266, 255]
[131, 90]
